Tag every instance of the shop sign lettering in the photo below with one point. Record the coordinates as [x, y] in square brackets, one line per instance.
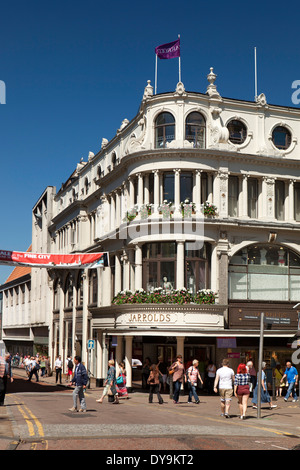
[149, 318]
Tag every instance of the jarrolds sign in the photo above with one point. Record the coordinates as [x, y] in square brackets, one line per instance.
[247, 316]
[49, 260]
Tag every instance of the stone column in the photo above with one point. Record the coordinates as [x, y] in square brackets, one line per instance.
[138, 267]
[197, 190]
[291, 202]
[245, 196]
[118, 272]
[156, 190]
[180, 265]
[177, 189]
[140, 189]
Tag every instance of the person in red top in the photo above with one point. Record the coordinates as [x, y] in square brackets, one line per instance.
[178, 372]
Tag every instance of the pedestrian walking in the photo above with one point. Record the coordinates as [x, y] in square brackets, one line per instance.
[251, 370]
[153, 381]
[224, 379]
[80, 380]
[265, 396]
[110, 383]
[33, 369]
[278, 374]
[242, 382]
[121, 382]
[193, 375]
[178, 373]
[43, 366]
[211, 375]
[58, 369]
[163, 369]
[5, 373]
[70, 365]
[291, 374]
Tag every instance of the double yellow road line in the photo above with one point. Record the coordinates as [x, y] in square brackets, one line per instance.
[35, 427]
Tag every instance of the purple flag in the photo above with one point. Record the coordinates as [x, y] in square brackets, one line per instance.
[169, 50]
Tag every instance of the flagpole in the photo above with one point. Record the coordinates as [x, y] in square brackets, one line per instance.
[179, 62]
[155, 88]
[255, 74]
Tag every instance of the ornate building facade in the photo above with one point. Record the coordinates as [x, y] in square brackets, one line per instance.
[198, 194]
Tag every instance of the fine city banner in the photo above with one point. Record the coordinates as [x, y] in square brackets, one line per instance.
[47, 260]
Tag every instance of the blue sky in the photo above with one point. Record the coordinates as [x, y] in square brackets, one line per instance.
[74, 70]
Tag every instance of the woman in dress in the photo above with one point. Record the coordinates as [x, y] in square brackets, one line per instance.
[242, 388]
[121, 382]
[265, 397]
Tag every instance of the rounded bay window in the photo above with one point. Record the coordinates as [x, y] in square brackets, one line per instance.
[281, 137]
[164, 129]
[264, 272]
[237, 131]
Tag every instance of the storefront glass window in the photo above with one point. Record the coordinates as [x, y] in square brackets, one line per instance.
[264, 272]
[159, 265]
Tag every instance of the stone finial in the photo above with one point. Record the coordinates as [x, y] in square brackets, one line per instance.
[104, 143]
[148, 92]
[212, 89]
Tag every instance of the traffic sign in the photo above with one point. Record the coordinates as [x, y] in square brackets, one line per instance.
[91, 344]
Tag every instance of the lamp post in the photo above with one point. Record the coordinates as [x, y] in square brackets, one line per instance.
[260, 359]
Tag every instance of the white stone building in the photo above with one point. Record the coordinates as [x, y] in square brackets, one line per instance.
[241, 157]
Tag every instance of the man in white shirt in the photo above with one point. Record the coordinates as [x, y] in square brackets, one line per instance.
[225, 379]
[58, 368]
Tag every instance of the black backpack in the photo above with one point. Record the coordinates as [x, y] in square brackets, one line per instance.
[70, 364]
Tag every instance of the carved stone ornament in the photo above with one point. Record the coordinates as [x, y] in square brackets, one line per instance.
[91, 156]
[134, 143]
[104, 143]
[148, 92]
[180, 90]
[212, 89]
[261, 99]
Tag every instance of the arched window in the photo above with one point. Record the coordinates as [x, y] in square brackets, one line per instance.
[281, 137]
[237, 131]
[264, 272]
[195, 129]
[164, 129]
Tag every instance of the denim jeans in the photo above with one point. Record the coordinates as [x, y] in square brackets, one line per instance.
[78, 392]
[192, 392]
[291, 390]
[177, 386]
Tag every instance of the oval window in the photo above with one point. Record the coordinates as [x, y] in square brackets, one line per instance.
[281, 137]
[237, 131]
